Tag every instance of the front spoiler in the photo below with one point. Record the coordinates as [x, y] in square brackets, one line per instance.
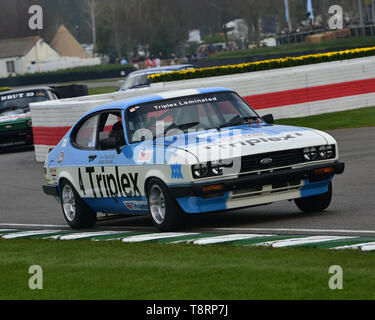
[51, 190]
[280, 176]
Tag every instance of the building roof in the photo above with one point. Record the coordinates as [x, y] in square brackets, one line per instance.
[17, 47]
[66, 45]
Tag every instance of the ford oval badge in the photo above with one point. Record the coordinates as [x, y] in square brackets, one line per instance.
[266, 161]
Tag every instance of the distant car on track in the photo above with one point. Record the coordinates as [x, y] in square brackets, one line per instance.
[15, 117]
[138, 80]
[186, 152]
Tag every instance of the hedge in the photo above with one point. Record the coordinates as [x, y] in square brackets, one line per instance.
[263, 65]
[69, 75]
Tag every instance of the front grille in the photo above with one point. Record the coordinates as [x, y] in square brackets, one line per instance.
[279, 159]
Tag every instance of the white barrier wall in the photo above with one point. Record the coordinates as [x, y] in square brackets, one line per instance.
[288, 92]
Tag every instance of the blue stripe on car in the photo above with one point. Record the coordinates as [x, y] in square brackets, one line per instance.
[200, 205]
[314, 188]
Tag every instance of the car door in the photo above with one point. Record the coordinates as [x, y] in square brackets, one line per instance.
[115, 179]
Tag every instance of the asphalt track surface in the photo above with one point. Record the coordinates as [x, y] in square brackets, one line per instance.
[352, 212]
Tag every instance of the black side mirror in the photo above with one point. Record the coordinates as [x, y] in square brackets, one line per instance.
[268, 118]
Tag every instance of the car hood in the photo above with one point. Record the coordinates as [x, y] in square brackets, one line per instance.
[245, 140]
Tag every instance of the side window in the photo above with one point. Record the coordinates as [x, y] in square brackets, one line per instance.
[111, 131]
[86, 134]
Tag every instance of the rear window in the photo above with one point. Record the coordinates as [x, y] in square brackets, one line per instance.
[21, 100]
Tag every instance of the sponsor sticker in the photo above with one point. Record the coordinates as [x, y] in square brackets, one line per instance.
[176, 171]
[60, 158]
[145, 156]
[136, 205]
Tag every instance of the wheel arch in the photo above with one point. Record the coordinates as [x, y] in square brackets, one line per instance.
[64, 175]
[154, 174]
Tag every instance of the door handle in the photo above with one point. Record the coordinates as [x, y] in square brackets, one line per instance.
[92, 157]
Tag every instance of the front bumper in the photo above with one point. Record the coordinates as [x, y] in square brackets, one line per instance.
[16, 137]
[257, 180]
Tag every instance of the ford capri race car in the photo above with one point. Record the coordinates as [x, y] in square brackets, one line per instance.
[186, 152]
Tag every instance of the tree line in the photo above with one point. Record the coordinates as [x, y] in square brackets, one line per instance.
[120, 27]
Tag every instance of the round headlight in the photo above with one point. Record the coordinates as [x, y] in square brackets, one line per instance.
[200, 170]
[330, 153]
[306, 154]
[313, 153]
[217, 167]
[323, 152]
[310, 154]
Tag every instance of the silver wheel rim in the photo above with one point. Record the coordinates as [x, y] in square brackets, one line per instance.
[157, 204]
[68, 202]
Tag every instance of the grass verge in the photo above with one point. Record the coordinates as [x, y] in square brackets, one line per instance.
[114, 270]
[102, 90]
[298, 47]
[364, 117]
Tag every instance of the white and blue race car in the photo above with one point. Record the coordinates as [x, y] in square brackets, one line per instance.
[186, 152]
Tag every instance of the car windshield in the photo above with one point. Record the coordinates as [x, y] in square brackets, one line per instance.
[134, 81]
[140, 80]
[202, 112]
[16, 103]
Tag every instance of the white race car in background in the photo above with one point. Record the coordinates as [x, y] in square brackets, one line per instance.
[138, 80]
[186, 152]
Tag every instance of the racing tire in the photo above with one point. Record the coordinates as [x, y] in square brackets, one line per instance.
[165, 212]
[76, 212]
[316, 203]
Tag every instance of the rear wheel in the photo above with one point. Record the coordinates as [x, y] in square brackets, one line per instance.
[166, 214]
[316, 203]
[76, 212]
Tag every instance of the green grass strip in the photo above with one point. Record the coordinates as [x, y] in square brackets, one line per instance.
[297, 47]
[102, 90]
[364, 117]
[146, 271]
[269, 64]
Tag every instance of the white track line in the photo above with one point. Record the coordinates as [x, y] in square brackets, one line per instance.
[369, 245]
[207, 230]
[33, 225]
[299, 241]
[156, 236]
[28, 234]
[83, 235]
[228, 238]
[287, 230]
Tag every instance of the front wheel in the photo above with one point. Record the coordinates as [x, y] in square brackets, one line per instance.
[76, 212]
[316, 203]
[166, 214]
